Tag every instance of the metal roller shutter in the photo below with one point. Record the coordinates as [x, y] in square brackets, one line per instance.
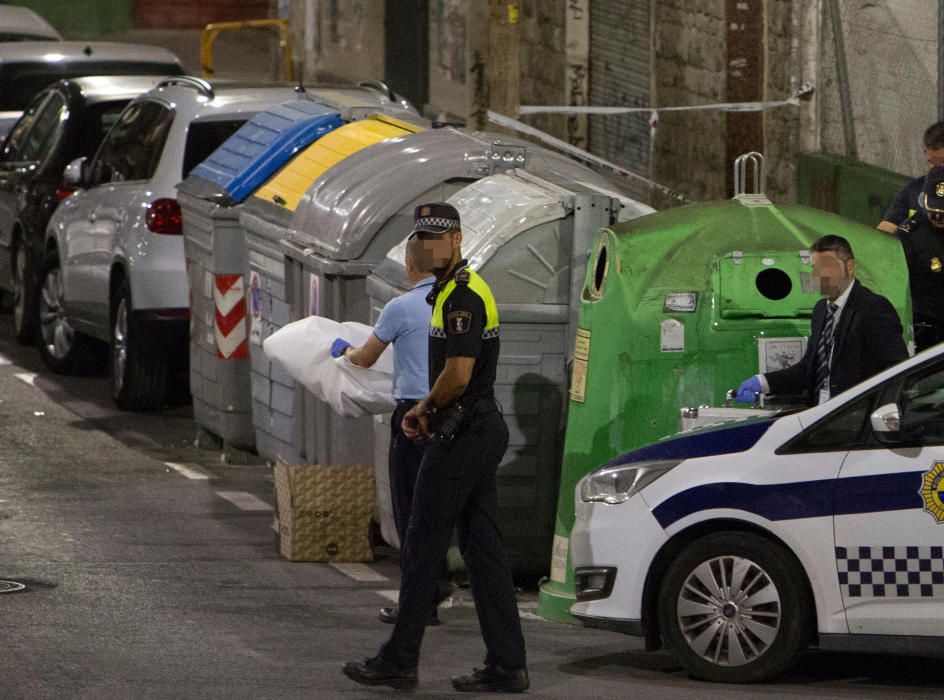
[619, 75]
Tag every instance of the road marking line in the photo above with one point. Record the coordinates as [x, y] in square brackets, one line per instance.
[392, 596]
[244, 501]
[4, 360]
[360, 572]
[191, 471]
[26, 377]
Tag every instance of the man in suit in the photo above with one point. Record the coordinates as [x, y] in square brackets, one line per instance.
[855, 334]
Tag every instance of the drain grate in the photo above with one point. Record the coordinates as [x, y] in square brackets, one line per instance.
[11, 587]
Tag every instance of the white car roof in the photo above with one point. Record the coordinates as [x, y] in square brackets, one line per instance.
[22, 20]
[82, 51]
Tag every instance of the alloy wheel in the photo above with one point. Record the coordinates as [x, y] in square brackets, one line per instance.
[729, 611]
[119, 346]
[57, 334]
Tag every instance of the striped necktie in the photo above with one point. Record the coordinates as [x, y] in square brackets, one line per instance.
[824, 346]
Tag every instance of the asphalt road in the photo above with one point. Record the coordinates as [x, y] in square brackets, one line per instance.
[146, 580]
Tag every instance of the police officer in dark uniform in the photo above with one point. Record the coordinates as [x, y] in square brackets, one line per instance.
[456, 487]
[908, 201]
[922, 237]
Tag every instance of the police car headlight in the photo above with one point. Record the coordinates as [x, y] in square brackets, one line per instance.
[617, 484]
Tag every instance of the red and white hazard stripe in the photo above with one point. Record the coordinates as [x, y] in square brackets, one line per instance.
[230, 326]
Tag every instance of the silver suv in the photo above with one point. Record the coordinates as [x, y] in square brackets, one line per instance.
[114, 269]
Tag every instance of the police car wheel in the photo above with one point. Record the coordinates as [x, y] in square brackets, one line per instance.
[734, 608]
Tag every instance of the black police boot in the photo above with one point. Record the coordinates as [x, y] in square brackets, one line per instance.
[493, 679]
[389, 615]
[376, 671]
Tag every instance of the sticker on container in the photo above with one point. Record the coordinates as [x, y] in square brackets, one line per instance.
[255, 307]
[559, 559]
[582, 346]
[767, 261]
[672, 336]
[313, 300]
[779, 353]
[578, 373]
[578, 380]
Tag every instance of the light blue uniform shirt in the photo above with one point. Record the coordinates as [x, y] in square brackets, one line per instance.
[404, 322]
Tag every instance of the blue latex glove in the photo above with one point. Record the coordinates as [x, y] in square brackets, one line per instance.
[338, 347]
[748, 391]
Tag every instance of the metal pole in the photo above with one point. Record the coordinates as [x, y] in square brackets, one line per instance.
[842, 78]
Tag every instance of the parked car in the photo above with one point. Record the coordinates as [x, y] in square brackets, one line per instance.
[23, 24]
[114, 268]
[67, 120]
[26, 67]
[738, 546]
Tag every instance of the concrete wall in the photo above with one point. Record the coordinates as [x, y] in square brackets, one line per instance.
[689, 148]
[339, 40]
[85, 19]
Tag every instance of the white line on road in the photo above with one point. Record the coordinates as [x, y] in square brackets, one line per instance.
[26, 377]
[392, 596]
[360, 572]
[244, 501]
[191, 471]
[4, 360]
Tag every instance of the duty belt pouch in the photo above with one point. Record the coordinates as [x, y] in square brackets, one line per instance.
[452, 421]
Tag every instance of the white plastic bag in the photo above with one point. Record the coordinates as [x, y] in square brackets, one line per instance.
[303, 348]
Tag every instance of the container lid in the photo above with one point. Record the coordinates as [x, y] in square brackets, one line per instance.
[495, 209]
[261, 145]
[344, 209]
[288, 185]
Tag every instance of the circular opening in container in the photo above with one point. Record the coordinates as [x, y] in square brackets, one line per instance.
[773, 283]
[599, 271]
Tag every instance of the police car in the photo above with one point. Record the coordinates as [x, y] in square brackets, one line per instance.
[738, 546]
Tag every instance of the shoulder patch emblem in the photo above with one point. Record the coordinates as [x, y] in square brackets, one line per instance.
[939, 190]
[460, 321]
[932, 491]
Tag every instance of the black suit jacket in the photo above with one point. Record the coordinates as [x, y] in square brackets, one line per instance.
[866, 341]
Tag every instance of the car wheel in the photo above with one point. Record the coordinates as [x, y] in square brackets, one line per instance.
[62, 348]
[734, 608]
[138, 378]
[25, 302]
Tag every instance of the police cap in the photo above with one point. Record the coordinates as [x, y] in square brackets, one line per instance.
[934, 190]
[435, 217]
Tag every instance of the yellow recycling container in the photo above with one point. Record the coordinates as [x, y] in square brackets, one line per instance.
[288, 185]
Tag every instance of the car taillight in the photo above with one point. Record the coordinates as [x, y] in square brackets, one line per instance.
[163, 216]
[63, 192]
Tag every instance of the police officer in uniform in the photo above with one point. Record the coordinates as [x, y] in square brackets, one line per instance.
[404, 322]
[907, 203]
[922, 237]
[456, 486]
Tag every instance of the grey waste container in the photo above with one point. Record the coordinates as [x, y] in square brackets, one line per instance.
[266, 218]
[215, 247]
[348, 220]
[529, 238]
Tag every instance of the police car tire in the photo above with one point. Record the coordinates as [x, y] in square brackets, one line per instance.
[796, 619]
[143, 381]
[85, 354]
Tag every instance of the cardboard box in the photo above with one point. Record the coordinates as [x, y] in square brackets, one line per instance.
[324, 511]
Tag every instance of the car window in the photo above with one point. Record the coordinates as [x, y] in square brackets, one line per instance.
[46, 126]
[847, 428]
[204, 137]
[132, 149]
[17, 137]
[921, 408]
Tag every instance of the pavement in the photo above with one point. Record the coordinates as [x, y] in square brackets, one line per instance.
[152, 572]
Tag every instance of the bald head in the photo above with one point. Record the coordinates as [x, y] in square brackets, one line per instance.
[413, 260]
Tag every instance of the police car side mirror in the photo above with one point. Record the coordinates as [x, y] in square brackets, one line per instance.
[886, 423]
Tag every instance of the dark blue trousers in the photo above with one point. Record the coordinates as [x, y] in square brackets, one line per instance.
[456, 488]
